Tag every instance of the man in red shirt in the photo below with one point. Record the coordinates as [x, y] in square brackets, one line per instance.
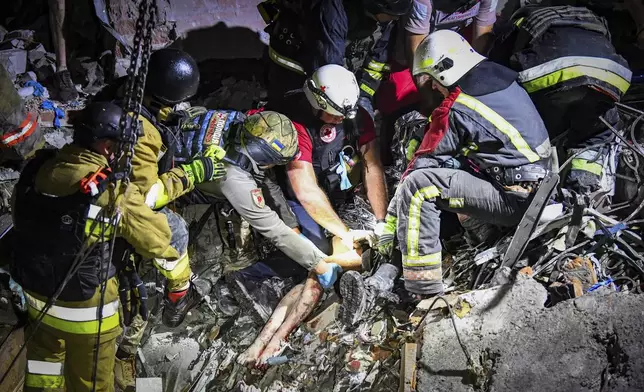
[336, 138]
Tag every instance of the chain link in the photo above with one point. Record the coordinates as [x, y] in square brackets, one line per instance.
[129, 124]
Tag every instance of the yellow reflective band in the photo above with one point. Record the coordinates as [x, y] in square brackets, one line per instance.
[471, 147]
[413, 226]
[374, 74]
[173, 269]
[501, 124]
[422, 261]
[98, 231]
[519, 21]
[76, 327]
[456, 202]
[391, 222]
[367, 89]
[285, 61]
[378, 66]
[411, 149]
[584, 165]
[44, 381]
[574, 72]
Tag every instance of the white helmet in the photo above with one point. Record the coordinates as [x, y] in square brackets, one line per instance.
[333, 89]
[446, 56]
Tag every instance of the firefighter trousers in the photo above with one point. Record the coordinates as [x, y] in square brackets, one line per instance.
[60, 355]
[177, 273]
[415, 213]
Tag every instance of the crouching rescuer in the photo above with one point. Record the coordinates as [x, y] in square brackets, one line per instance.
[483, 155]
[65, 199]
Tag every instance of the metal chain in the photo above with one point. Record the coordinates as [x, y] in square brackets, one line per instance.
[137, 73]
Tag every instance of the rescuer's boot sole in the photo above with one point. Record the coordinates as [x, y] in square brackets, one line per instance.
[354, 298]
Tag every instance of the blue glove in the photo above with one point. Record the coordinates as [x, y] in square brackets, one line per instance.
[328, 278]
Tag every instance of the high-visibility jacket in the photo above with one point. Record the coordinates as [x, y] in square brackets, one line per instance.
[58, 179]
[331, 32]
[565, 47]
[499, 127]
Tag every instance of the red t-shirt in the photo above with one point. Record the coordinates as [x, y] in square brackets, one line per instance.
[368, 134]
[305, 144]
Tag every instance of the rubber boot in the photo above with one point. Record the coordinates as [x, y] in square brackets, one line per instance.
[174, 312]
[125, 372]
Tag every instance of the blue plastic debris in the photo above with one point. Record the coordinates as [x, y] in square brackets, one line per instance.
[49, 105]
[600, 284]
[612, 230]
[39, 90]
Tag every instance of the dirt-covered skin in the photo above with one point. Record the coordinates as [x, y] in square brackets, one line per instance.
[306, 303]
[592, 343]
[251, 355]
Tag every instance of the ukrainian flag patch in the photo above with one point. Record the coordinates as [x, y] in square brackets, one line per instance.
[277, 145]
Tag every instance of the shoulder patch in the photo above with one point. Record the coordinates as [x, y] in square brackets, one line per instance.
[328, 133]
[258, 197]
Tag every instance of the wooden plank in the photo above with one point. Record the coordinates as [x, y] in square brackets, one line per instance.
[408, 367]
[8, 351]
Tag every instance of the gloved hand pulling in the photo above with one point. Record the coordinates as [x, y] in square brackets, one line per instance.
[328, 278]
[208, 167]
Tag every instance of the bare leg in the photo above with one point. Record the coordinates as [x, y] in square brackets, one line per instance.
[57, 21]
[306, 303]
[287, 303]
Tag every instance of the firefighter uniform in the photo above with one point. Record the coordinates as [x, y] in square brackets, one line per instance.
[331, 32]
[61, 201]
[574, 75]
[491, 126]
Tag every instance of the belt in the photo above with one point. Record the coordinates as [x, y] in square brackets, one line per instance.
[511, 176]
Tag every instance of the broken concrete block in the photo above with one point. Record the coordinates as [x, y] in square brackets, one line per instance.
[149, 384]
[324, 319]
[14, 61]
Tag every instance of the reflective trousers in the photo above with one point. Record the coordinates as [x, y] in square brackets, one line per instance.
[178, 271]
[60, 355]
[414, 214]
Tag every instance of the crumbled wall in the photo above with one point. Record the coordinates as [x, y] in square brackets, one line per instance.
[221, 29]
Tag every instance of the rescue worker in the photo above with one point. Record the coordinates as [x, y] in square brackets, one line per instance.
[567, 64]
[337, 141]
[63, 199]
[305, 36]
[172, 79]
[253, 145]
[474, 19]
[483, 155]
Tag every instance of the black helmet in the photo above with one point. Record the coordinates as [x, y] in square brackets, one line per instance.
[99, 120]
[389, 7]
[173, 76]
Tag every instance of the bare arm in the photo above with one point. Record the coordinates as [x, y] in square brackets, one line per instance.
[482, 38]
[313, 199]
[374, 180]
[411, 43]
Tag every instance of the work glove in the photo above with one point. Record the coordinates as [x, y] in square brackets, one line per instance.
[358, 236]
[379, 229]
[132, 294]
[190, 120]
[327, 279]
[208, 167]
